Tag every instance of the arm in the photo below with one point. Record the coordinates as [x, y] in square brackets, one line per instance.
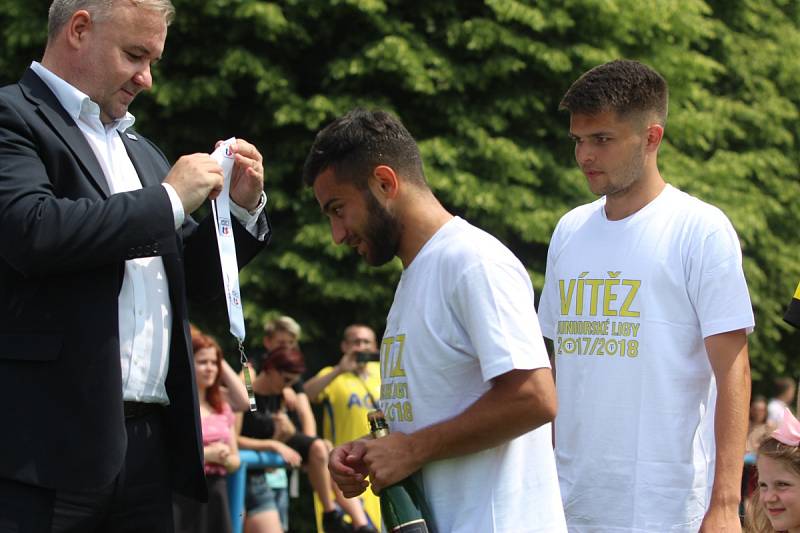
[518, 402]
[54, 218]
[54, 212]
[233, 461]
[727, 353]
[314, 386]
[265, 445]
[308, 425]
[235, 391]
[284, 428]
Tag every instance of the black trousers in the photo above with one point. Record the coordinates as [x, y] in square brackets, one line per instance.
[139, 500]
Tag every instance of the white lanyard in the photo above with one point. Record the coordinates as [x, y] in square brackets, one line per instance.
[221, 212]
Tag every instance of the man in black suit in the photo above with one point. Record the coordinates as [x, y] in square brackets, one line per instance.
[97, 256]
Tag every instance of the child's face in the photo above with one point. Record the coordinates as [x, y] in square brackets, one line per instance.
[780, 494]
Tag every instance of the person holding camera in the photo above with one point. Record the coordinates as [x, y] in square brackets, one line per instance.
[348, 391]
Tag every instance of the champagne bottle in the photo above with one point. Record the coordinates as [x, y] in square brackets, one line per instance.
[403, 507]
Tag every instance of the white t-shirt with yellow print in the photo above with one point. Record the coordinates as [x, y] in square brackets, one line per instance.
[463, 314]
[628, 304]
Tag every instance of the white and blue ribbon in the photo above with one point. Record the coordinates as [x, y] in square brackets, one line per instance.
[221, 211]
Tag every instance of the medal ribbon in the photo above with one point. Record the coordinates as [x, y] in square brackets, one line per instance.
[221, 212]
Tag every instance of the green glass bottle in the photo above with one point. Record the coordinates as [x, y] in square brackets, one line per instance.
[403, 507]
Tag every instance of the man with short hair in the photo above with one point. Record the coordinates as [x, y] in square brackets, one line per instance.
[466, 385]
[348, 391]
[647, 306]
[97, 259]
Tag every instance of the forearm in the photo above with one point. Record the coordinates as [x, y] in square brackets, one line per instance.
[259, 445]
[518, 402]
[307, 423]
[314, 386]
[237, 393]
[732, 373]
[55, 221]
[208, 454]
[232, 462]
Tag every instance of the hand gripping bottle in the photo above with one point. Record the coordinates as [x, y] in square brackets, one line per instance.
[403, 508]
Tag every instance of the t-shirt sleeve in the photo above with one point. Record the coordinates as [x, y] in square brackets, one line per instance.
[323, 394]
[716, 282]
[494, 303]
[792, 315]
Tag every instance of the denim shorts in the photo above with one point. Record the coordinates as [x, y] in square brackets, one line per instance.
[282, 500]
[258, 496]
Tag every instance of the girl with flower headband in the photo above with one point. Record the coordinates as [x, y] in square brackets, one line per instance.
[776, 504]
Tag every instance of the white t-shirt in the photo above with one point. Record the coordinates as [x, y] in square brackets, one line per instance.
[628, 304]
[463, 314]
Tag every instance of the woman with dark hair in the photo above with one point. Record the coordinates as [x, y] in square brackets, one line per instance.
[219, 444]
[270, 423]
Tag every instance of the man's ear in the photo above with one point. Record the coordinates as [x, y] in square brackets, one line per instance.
[79, 24]
[384, 182]
[655, 133]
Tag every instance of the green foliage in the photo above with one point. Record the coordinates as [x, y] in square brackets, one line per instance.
[479, 84]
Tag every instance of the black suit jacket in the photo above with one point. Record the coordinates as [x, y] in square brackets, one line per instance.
[62, 252]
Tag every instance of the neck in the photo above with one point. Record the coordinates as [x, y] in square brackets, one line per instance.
[58, 63]
[201, 395]
[627, 202]
[421, 219]
[261, 384]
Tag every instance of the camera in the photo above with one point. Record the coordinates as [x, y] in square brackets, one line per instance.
[366, 357]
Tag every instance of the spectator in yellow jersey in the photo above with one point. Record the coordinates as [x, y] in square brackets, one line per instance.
[347, 392]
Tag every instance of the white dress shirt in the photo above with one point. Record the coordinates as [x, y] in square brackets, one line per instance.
[145, 312]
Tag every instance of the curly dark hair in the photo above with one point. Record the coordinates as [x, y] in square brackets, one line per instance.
[354, 144]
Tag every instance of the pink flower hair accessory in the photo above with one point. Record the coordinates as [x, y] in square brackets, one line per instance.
[789, 431]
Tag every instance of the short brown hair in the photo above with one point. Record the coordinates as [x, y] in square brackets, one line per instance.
[624, 86]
